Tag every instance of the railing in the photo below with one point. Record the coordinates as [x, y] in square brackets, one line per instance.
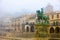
[54, 35]
[18, 38]
[50, 36]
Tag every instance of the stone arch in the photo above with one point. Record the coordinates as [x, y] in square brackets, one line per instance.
[32, 28]
[57, 30]
[27, 28]
[51, 30]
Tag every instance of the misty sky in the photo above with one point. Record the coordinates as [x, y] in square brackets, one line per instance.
[16, 7]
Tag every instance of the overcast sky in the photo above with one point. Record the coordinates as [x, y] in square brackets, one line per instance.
[16, 7]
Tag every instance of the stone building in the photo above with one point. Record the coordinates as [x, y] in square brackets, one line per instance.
[54, 19]
[23, 23]
[54, 26]
[31, 18]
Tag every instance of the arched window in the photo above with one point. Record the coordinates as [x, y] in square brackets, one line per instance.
[27, 29]
[51, 30]
[32, 28]
[57, 30]
[57, 15]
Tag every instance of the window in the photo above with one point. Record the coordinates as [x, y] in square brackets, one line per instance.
[57, 30]
[27, 29]
[51, 30]
[52, 16]
[32, 28]
[57, 15]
